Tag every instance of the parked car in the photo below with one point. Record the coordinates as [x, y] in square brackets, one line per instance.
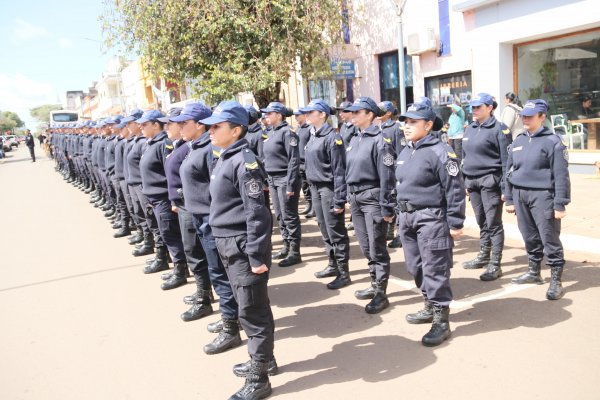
[5, 144]
[12, 140]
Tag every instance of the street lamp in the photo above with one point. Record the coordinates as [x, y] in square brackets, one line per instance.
[399, 4]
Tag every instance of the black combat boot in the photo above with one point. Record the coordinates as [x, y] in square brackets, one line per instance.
[493, 270]
[440, 328]
[228, 338]
[160, 262]
[390, 231]
[215, 327]
[293, 256]
[178, 277]
[424, 316]
[137, 237]
[311, 211]
[555, 291]
[482, 259]
[110, 212]
[531, 276]
[308, 207]
[343, 278]
[283, 253]
[107, 207]
[396, 243]
[350, 226]
[200, 309]
[124, 231]
[329, 271]
[117, 224]
[100, 203]
[380, 301]
[147, 246]
[257, 384]
[368, 293]
[242, 369]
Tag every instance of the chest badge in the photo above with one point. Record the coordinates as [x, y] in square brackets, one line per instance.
[293, 142]
[452, 168]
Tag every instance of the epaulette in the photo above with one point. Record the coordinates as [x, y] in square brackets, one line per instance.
[387, 140]
[250, 160]
[506, 131]
[338, 140]
[169, 146]
[216, 152]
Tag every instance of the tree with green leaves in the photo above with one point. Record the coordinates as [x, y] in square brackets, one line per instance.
[227, 46]
[9, 120]
[42, 113]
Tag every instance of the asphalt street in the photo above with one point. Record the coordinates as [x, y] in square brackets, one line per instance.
[79, 320]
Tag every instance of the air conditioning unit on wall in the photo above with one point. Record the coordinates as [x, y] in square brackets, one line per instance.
[421, 42]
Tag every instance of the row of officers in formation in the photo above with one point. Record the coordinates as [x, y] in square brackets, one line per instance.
[196, 187]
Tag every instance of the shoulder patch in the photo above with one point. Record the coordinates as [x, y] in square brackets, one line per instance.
[253, 188]
[566, 154]
[452, 168]
[293, 141]
[388, 159]
[250, 160]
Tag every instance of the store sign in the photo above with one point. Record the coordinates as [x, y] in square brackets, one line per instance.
[343, 69]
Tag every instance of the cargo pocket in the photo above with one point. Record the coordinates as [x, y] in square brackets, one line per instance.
[439, 254]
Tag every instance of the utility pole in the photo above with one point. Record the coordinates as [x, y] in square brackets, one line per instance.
[401, 72]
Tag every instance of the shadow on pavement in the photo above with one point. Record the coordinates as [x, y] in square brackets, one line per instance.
[371, 359]
[64, 278]
[299, 293]
[325, 321]
[511, 313]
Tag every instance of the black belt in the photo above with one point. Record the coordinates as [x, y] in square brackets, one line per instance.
[355, 189]
[406, 207]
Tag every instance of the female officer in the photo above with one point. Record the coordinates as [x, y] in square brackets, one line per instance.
[538, 190]
[325, 170]
[282, 163]
[485, 151]
[303, 132]
[242, 227]
[431, 200]
[391, 131]
[370, 179]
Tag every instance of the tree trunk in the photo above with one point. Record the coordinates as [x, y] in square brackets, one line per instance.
[264, 96]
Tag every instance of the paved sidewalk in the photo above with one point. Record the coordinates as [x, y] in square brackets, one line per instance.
[81, 321]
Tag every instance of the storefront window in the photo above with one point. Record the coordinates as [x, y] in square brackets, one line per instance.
[565, 71]
[449, 89]
[388, 77]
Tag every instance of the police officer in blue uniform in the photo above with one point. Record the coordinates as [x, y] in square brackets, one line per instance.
[392, 132]
[326, 170]
[485, 151]
[242, 227]
[538, 190]
[256, 134]
[431, 200]
[347, 131]
[303, 132]
[370, 179]
[155, 188]
[282, 163]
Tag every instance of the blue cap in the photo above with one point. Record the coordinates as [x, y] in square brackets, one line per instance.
[316, 105]
[363, 103]
[424, 100]
[533, 107]
[195, 110]
[275, 107]
[172, 113]
[388, 106]
[480, 99]
[419, 111]
[150, 115]
[228, 111]
[298, 112]
[343, 105]
[253, 114]
[133, 115]
[114, 119]
[120, 125]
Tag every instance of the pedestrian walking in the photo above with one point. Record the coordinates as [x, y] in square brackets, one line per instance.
[30, 143]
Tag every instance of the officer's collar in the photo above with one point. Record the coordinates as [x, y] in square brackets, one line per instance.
[130, 138]
[491, 121]
[178, 143]
[388, 123]
[348, 124]
[202, 141]
[372, 130]
[158, 137]
[323, 130]
[255, 127]
[234, 148]
[428, 140]
[281, 125]
[542, 131]
[304, 125]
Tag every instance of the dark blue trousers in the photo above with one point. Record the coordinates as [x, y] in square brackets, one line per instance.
[168, 225]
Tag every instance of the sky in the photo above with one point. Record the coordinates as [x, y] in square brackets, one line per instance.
[47, 48]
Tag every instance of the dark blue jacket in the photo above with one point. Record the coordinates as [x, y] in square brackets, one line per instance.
[95, 149]
[390, 130]
[370, 160]
[326, 162]
[485, 149]
[134, 156]
[111, 143]
[120, 158]
[152, 166]
[303, 133]
[255, 137]
[238, 203]
[348, 131]
[172, 164]
[129, 142]
[427, 176]
[282, 156]
[195, 173]
[101, 156]
[539, 162]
